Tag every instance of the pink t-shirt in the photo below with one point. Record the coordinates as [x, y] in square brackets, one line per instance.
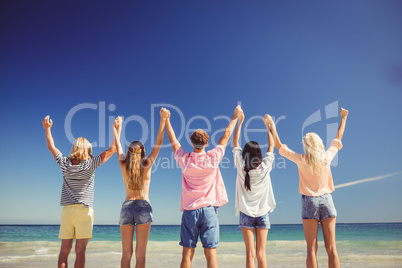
[202, 183]
[313, 185]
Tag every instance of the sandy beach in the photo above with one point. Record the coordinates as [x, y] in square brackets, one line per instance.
[230, 254]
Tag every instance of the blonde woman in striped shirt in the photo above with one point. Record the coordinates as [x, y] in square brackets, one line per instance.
[77, 193]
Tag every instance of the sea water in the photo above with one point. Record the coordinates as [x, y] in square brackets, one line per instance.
[359, 245]
[228, 233]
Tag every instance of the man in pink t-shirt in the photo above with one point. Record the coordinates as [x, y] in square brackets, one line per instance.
[203, 191]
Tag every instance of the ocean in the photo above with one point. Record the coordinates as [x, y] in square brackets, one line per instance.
[359, 245]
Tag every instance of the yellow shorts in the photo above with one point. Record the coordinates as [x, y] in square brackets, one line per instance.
[76, 222]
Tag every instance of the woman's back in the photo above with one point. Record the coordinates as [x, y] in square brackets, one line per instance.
[141, 194]
[259, 199]
[313, 184]
[78, 180]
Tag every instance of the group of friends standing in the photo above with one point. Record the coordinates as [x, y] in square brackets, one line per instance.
[203, 191]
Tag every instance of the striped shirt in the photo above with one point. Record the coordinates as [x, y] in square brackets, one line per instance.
[78, 180]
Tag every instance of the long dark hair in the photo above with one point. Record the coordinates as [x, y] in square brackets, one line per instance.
[252, 159]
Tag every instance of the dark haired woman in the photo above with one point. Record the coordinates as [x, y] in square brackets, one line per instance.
[136, 211]
[254, 195]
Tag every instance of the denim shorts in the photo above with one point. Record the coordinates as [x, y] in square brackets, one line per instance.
[135, 212]
[261, 222]
[203, 221]
[318, 207]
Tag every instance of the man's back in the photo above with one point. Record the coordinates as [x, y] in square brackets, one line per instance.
[202, 181]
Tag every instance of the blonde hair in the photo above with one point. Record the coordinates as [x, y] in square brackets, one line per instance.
[81, 150]
[134, 165]
[314, 152]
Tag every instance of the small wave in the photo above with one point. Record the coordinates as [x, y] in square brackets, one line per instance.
[41, 250]
[19, 258]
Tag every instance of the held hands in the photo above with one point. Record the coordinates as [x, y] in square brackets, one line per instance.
[165, 113]
[118, 123]
[241, 117]
[47, 122]
[268, 120]
[237, 112]
[344, 113]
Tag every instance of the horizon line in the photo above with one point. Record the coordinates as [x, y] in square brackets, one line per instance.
[109, 224]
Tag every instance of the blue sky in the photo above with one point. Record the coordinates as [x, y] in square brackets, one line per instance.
[288, 59]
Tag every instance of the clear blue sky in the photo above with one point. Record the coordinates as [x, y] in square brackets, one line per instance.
[288, 59]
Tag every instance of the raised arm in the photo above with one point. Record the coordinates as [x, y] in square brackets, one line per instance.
[270, 136]
[159, 138]
[109, 152]
[47, 124]
[272, 128]
[237, 131]
[172, 137]
[116, 134]
[229, 129]
[341, 129]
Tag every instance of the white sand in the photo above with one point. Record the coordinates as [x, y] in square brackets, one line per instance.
[168, 254]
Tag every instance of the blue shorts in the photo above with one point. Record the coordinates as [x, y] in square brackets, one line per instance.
[203, 221]
[261, 222]
[135, 212]
[318, 207]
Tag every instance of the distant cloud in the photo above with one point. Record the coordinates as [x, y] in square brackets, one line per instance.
[367, 180]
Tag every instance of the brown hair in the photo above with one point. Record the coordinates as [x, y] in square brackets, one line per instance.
[135, 165]
[81, 150]
[199, 138]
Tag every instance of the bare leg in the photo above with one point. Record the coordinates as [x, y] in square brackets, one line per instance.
[310, 233]
[141, 245]
[248, 236]
[80, 249]
[261, 237]
[127, 234]
[210, 255]
[328, 230]
[187, 257]
[65, 249]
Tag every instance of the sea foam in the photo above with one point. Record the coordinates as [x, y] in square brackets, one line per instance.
[230, 254]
